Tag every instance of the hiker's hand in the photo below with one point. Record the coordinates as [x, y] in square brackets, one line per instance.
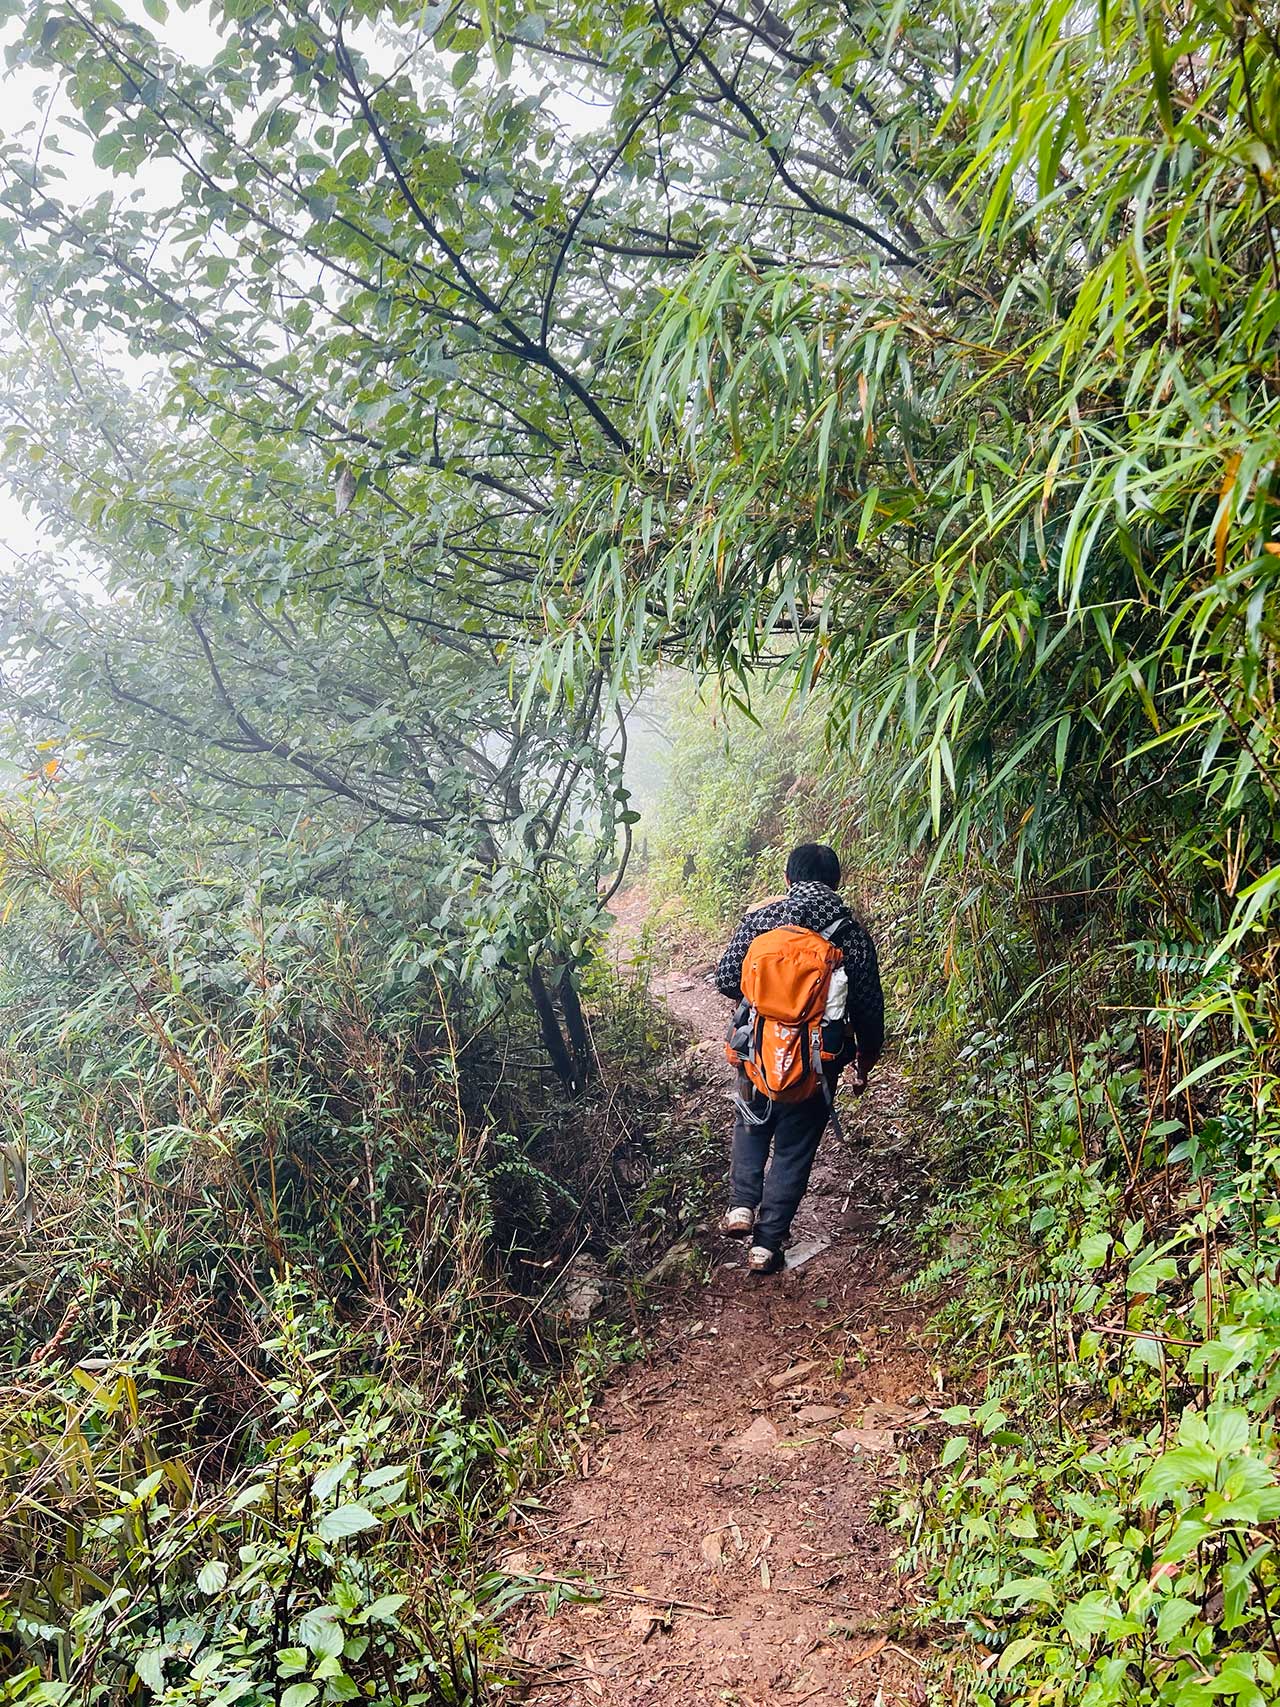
[857, 1080]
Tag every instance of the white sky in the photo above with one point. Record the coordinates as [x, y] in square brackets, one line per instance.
[25, 92]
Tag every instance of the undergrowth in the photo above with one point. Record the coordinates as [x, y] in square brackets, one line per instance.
[1102, 1256]
[284, 1241]
[1101, 1524]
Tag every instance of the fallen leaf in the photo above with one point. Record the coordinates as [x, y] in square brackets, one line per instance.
[712, 1549]
[870, 1651]
[642, 1623]
[764, 1574]
[790, 1377]
[592, 1683]
[800, 1254]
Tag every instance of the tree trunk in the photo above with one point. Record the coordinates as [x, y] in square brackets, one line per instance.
[552, 1036]
[576, 1025]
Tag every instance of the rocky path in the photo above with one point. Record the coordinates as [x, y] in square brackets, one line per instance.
[726, 1522]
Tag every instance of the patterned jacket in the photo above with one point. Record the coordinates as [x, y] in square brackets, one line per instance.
[816, 907]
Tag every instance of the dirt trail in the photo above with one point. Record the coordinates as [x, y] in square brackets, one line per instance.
[726, 1512]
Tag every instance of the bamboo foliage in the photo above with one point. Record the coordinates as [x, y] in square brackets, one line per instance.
[1017, 517]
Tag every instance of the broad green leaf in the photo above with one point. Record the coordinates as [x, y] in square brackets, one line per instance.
[1179, 1469]
[345, 1520]
[1089, 1616]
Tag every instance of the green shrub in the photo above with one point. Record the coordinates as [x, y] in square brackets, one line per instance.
[278, 1233]
[1106, 1231]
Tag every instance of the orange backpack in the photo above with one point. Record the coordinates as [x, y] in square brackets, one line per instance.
[777, 1043]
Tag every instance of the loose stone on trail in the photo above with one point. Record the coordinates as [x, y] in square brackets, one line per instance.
[762, 1436]
[793, 1376]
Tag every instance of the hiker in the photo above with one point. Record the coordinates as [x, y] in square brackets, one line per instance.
[803, 970]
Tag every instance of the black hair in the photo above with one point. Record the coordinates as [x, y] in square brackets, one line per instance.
[812, 862]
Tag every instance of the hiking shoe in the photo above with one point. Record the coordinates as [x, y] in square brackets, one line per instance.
[761, 1260]
[737, 1223]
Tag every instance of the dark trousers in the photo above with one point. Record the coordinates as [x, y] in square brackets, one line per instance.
[791, 1131]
